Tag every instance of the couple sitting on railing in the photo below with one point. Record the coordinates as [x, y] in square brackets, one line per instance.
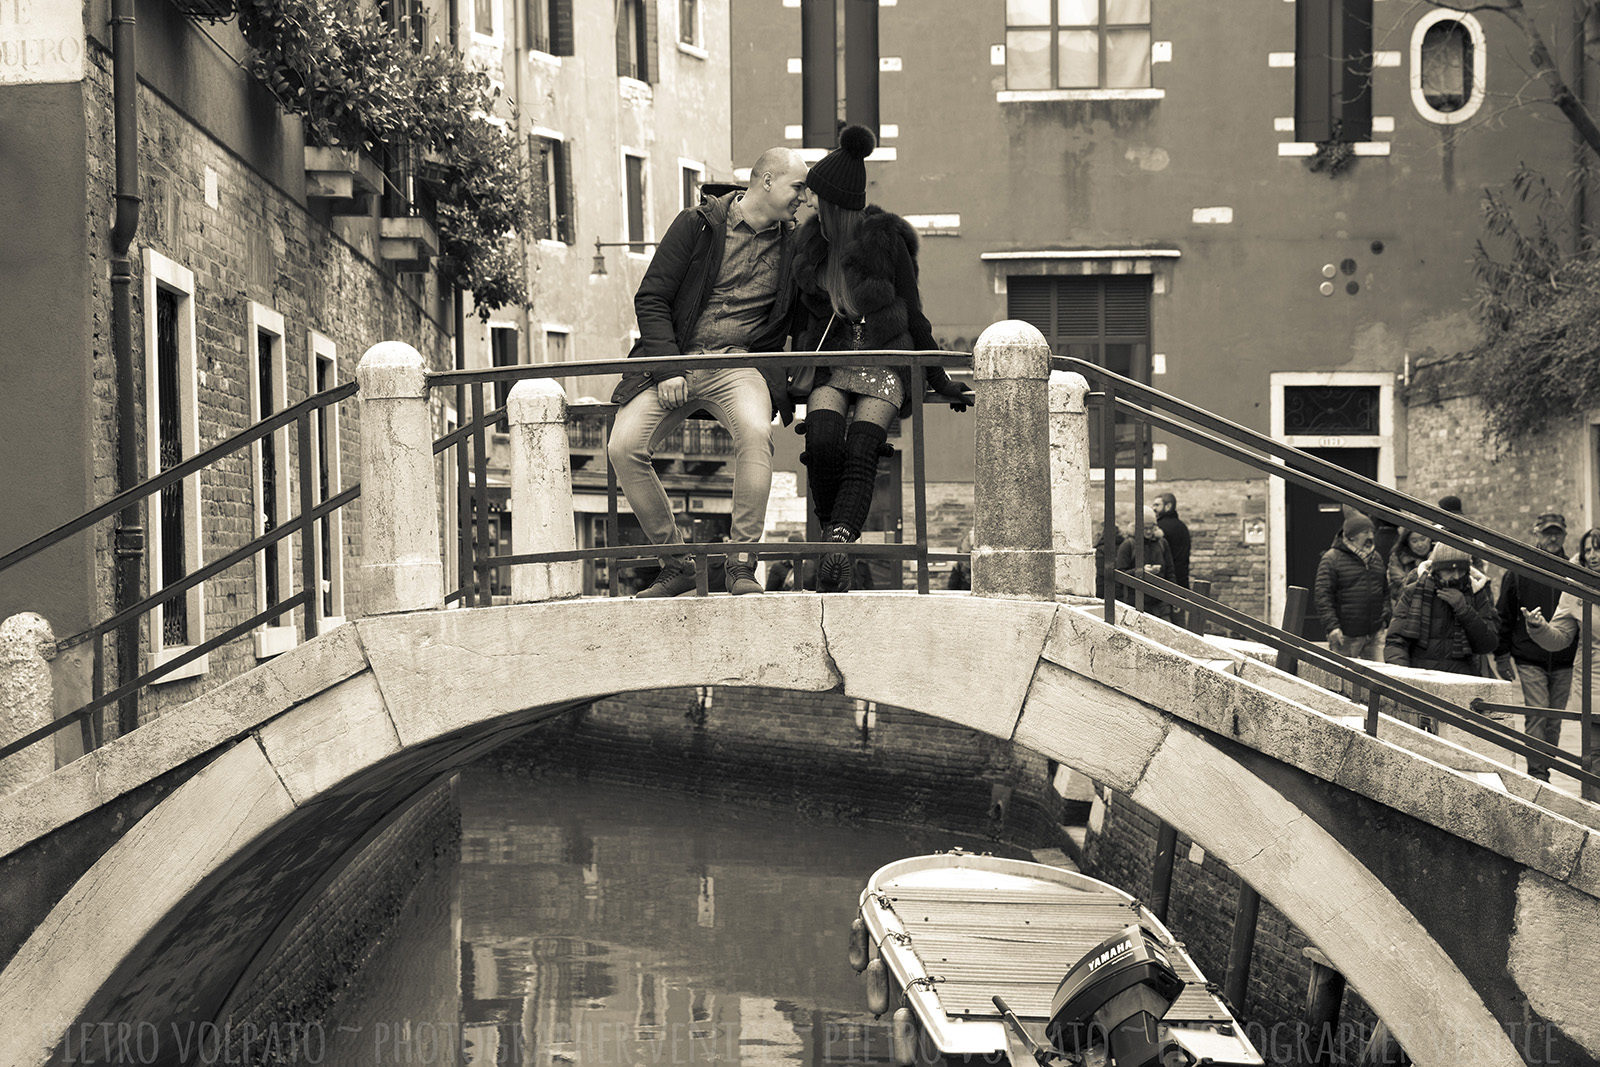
[736, 274]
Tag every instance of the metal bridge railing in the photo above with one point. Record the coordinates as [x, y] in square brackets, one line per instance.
[471, 464]
[86, 718]
[1151, 408]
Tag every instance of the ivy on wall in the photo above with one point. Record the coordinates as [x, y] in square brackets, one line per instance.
[358, 83]
[1538, 360]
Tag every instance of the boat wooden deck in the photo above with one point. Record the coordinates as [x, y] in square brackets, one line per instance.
[1019, 943]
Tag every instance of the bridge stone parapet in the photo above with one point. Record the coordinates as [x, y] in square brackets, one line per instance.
[1442, 899]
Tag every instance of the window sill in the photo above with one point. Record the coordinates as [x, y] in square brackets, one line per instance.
[1045, 96]
[552, 244]
[633, 88]
[1124, 474]
[547, 58]
[274, 640]
[193, 669]
[693, 50]
[1309, 148]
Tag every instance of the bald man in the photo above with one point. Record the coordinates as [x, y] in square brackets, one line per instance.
[720, 281]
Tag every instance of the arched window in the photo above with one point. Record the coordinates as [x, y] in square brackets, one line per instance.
[1447, 66]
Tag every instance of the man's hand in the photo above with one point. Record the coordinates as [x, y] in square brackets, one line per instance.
[1536, 621]
[1455, 598]
[1335, 637]
[674, 392]
[1504, 667]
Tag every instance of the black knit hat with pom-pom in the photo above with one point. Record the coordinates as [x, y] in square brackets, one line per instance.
[840, 177]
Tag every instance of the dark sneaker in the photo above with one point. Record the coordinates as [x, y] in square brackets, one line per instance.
[740, 578]
[676, 579]
[833, 573]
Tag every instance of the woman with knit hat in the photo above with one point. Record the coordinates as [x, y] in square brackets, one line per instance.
[856, 268]
[1445, 618]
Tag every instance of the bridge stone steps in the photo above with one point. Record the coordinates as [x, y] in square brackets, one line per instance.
[1493, 767]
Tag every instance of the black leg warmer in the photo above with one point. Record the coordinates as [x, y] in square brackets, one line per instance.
[860, 475]
[824, 459]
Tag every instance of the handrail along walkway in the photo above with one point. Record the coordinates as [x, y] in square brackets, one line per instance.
[1152, 408]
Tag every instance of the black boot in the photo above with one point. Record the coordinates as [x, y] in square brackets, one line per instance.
[824, 460]
[854, 501]
[861, 450]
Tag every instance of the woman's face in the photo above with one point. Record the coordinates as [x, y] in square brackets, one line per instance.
[1421, 544]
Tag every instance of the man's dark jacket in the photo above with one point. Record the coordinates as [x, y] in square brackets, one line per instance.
[1176, 531]
[1519, 591]
[1351, 593]
[677, 286]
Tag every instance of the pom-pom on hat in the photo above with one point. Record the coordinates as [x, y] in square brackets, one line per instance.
[840, 177]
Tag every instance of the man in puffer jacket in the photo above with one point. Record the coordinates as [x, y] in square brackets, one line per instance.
[1444, 618]
[1351, 591]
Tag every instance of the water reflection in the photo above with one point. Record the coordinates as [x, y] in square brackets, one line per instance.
[601, 925]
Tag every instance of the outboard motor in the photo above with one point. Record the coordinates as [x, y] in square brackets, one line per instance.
[1118, 994]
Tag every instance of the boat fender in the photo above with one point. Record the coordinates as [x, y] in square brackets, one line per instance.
[877, 987]
[903, 1037]
[858, 945]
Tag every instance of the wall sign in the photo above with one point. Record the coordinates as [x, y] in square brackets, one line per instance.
[41, 41]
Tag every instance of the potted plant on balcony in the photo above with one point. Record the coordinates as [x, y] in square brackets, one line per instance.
[360, 85]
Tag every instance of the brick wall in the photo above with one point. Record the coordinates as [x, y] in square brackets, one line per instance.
[1504, 490]
[1216, 513]
[348, 917]
[806, 751]
[258, 244]
[1121, 847]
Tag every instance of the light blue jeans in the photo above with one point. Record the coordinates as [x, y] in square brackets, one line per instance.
[737, 398]
[1543, 689]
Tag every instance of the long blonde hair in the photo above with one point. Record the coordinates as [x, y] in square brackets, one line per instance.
[839, 226]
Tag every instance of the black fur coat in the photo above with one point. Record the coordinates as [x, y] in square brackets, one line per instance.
[880, 267]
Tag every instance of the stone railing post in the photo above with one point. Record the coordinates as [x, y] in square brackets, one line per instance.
[541, 491]
[1012, 556]
[400, 566]
[27, 699]
[1073, 533]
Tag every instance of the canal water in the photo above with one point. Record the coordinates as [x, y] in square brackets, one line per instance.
[595, 924]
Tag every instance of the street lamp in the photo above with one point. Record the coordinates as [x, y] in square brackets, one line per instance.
[600, 256]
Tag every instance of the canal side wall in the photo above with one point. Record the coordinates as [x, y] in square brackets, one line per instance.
[1120, 848]
[819, 753]
[327, 938]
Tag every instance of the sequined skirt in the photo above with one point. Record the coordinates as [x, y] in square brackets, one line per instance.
[881, 382]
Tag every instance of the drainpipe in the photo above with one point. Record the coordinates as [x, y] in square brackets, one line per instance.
[129, 537]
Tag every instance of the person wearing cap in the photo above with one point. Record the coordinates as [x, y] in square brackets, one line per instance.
[1545, 674]
[1157, 562]
[856, 271]
[1445, 618]
[720, 281]
[1350, 594]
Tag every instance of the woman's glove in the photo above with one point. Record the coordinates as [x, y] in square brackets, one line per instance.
[960, 396]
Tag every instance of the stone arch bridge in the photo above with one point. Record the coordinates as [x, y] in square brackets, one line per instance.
[147, 880]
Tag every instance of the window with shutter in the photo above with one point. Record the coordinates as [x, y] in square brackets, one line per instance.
[636, 39]
[1104, 320]
[633, 167]
[561, 38]
[544, 201]
[1333, 70]
[649, 43]
[566, 198]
